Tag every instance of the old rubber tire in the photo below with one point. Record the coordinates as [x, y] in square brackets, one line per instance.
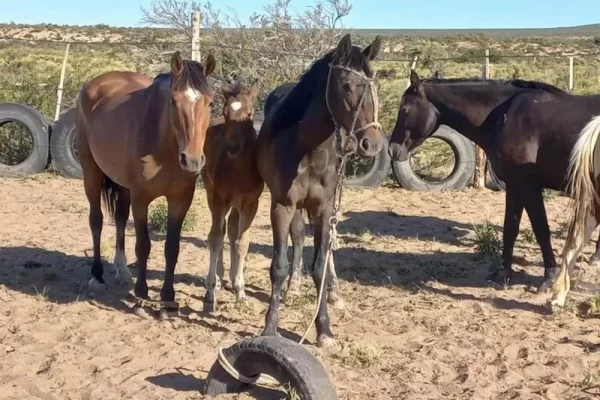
[493, 181]
[39, 127]
[461, 176]
[378, 171]
[62, 146]
[291, 364]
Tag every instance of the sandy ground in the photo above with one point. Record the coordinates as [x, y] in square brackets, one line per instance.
[421, 321]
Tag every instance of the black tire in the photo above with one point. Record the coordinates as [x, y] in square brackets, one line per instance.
[461, 176]
[378, 171]
[62, 146]
[291, 364]
[492, 181]
[39, 128]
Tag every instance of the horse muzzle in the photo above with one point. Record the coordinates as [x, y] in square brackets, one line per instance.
[398, 152]
[191, 164]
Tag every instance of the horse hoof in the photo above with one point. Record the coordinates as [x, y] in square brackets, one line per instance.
[209, 308]
[96, 286]
[270, 333]
[168, 313]
[501, 277]
[337, 303]
[545, 286]
[140, 312]
[325, 342]
[242, 298]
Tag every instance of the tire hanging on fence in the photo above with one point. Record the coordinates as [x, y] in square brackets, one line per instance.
[288, 362]
[38, 127]
[62, 146]
[461, 176]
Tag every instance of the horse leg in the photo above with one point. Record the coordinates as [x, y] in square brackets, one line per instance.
[534, 205]
[215, 248]
[512, 220]
[121, 217]
[178, 207]
[297, 233]
[596, 257]
[319, 268]
[139, 208]
[221, 260]
[561, 282]
[239, 247]
[333, 290]
[92, 182]
[281, 219]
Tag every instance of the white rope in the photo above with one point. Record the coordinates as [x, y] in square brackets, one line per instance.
[261, 379]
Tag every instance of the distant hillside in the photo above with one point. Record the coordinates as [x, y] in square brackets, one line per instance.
[573, 31]
[107, 33]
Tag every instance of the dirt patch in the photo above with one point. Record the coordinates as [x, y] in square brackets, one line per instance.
[421, 321]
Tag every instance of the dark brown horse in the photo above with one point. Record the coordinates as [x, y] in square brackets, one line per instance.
[527, 129]
[299, 149]
[138, 140]
[233, 183]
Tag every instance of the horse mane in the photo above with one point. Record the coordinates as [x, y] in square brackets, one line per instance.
[518, 83]
[192, 76]
[294, 105]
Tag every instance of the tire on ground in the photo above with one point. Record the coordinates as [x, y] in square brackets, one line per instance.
[492, 180]
[62, 146]
[378, 171]
[39, 128]
[461, 176]
[291, 364]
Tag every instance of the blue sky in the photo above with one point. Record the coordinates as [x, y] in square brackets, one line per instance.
[408, 14]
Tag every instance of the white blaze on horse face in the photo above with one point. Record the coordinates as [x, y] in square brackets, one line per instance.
[192, 94]
[236, 105]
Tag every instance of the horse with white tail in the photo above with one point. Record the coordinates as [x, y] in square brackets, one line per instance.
[583, 187]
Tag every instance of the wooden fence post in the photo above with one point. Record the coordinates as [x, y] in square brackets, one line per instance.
[59, 91]
[480, 158]
[196, 36]
[571, 73]
[412, 67]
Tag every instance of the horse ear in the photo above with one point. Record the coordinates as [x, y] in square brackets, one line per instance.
[415, 81]
[209, 65]
[344, 46]
[176, 64]
[372, 50]
[254, 88]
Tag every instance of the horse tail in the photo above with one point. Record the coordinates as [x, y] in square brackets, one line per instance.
[110, 194]
[581, 185]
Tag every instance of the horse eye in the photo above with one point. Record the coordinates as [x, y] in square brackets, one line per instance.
[346, 86]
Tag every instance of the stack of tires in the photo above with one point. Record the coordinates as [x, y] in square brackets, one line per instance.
[39, 128]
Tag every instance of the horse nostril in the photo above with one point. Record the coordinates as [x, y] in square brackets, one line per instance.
[202, 160]
[365, 144]
[183, 160]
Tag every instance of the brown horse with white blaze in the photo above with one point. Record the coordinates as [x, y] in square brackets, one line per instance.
[233, 184]
[139, 139]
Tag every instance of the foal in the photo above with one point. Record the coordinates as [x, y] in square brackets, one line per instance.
[137, 140]
[233, 183]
